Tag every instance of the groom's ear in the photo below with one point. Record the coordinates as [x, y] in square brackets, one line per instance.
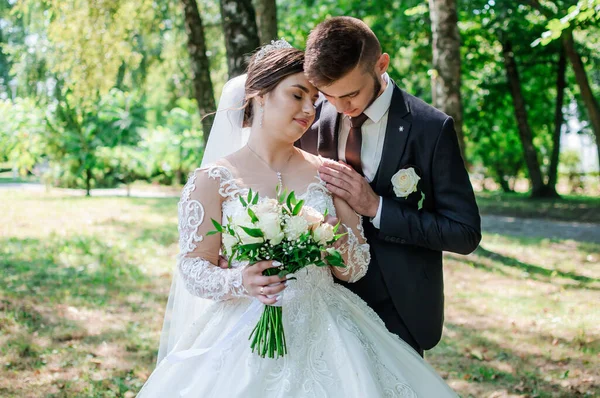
[382, 64]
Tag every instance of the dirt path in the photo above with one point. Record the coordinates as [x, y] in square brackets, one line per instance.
[535, 228]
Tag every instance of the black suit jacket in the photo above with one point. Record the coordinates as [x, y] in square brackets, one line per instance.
[406, 265]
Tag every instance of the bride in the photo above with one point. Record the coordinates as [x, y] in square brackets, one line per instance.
[337, 346]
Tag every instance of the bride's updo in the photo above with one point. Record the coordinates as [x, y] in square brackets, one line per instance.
[266, 70]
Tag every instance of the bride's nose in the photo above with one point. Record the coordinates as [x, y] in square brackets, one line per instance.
[308, 108]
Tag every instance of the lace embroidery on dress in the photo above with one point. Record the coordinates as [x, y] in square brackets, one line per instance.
[201, 277]
[358, 255]
[191, 216]
[206, 280]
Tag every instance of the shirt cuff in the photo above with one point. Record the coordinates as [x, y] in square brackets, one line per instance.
[377, 219]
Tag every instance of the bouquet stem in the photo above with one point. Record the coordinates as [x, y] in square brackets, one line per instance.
[268, 337]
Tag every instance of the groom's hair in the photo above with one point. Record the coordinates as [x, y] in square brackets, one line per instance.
[336, 46]
[266, 71]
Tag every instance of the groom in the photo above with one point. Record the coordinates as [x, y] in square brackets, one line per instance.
[396, 161]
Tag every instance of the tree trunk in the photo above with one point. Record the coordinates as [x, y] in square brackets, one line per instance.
[525, 133]
[446, 80]
[88, 181]
[558, 120]
[504, 184]
[266, 20]
[4, 65]
[591, 104]
[203, 88]
[241, 35]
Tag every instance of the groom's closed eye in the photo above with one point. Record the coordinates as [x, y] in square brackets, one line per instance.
[349, 95]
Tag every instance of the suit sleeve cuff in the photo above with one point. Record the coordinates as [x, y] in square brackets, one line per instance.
[377, 219]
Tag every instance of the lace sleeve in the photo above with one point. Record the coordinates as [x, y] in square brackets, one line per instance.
[198, 253]
[353, 247]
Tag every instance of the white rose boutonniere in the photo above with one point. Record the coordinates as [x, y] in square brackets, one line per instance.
[405, 182]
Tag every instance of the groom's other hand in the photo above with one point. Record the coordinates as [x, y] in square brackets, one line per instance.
[343, 181]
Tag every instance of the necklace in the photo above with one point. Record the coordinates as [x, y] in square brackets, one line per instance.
[277, 172]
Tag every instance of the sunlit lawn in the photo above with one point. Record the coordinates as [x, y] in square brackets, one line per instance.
[84, 282]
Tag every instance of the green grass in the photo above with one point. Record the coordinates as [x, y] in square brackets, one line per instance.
[568, 208]
[84, 282]
[7, 177]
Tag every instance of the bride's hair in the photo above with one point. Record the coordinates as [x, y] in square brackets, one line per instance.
[265, 71]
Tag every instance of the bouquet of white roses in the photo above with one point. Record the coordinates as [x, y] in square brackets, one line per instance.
[282, 230]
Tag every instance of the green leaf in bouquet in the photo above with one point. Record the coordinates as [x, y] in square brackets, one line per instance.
[283, 273]
[291, 201]
[298, 208]
[252, 215]
[250, 246]
[243, 202]
[218, 226]
[282, 196]
[326, 213]
[254, 232]
[320, 263]
[336, 227]
[209, 233]
[338, 236]
[335, 259]
[255, 199]
[232, 257]
[250, 194]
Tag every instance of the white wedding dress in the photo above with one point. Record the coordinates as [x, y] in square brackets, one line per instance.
[337, 346]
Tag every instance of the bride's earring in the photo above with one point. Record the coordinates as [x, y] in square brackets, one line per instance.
[262, 114]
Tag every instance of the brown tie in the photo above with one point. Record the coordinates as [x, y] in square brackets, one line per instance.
[354, 142]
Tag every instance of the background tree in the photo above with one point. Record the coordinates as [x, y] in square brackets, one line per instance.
[241, 34]
[203, 89]
[266, 20]
[585, 13]
[446, 73]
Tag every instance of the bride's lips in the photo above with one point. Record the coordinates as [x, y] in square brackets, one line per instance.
[302, 122]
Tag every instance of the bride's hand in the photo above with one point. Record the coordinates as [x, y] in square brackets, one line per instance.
[260, 286]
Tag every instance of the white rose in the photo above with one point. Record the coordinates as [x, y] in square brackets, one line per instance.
[323, 233]
[228, 242]
[312, 217]
[270, 224]
[242, 219]
[266, 206]
[405, 182]
[295, 226]
[247, 239]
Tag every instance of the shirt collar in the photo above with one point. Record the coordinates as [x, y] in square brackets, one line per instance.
[382, 103]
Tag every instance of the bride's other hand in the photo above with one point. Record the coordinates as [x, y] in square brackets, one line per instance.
[223, 263]
[260, 286]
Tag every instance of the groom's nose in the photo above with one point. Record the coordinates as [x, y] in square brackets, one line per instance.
[342, 105]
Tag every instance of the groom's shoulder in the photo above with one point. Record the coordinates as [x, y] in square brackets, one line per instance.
[421, 110]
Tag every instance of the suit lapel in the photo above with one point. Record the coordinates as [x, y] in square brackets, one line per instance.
[396, 135]
[328, 132]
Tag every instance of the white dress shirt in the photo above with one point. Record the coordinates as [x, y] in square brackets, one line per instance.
[373, 135]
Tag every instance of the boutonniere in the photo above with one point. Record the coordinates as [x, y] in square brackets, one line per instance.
[405, 182]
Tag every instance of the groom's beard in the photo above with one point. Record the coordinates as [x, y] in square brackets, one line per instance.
[376, 90]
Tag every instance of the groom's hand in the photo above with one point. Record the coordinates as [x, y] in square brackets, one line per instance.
[343, 181]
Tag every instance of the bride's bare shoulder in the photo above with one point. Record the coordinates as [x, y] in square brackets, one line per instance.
[314, 160]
